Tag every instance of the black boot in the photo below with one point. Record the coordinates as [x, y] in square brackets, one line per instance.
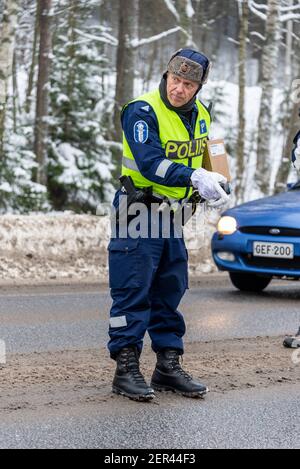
[128, 379]
[169, 376]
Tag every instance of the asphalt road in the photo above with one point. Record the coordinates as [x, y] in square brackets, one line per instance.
[240, 419]
[49, 318]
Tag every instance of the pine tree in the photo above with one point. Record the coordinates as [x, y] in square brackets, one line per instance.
[7, 39]
[79, 172]
[18, 193]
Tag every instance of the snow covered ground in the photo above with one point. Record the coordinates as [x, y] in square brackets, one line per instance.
[53, 246]
[69, 246]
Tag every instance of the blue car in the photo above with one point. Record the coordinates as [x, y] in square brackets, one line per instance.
[260, 240]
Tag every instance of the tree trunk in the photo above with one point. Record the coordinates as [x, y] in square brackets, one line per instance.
[240, 151]
[196, 26]
[289, 48]
[33, 60]
[270, 64]
[128, 13]
[15, 92]
[41, 126]
[185, 11]
[71, 61]
[7, 39]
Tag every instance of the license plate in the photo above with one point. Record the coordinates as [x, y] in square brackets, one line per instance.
[275, 250]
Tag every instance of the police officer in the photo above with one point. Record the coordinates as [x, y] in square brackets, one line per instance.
[164, 136]
[294, 341]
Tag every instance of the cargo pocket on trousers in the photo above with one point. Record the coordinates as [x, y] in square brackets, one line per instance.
[125, 266]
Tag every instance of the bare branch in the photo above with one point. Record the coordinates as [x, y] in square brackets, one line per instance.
[170, 6]
[137, 43]
[290, 17]
[290, 8]
[255, 11]
[106, 40]
[256, 34]
[259, 6]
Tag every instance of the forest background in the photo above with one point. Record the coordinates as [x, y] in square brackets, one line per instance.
[67, 67]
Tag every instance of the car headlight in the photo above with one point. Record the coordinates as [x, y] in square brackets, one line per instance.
[227, 225]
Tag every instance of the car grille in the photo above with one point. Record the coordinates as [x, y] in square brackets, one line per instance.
[265, 230]
[269, 263]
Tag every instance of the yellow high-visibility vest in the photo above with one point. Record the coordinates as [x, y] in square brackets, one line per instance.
[176, 142]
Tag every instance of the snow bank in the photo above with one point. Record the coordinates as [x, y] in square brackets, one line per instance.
[62, 246]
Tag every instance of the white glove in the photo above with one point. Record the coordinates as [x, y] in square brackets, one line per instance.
[208, 185]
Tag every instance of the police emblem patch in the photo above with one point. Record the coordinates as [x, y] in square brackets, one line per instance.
[203, 127]
[141, 132]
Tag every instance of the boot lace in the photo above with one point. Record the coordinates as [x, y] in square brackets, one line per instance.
[130, 361]
[176, 365]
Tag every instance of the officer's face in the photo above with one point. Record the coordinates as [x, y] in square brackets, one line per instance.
[179, 90]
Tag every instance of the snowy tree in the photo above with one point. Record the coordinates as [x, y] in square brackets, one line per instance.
[17, 191]
[240, 151]
[7, 39]
[99, 54]
[269, 67]
[80, 165]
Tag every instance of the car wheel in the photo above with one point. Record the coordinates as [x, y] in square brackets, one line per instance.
[249, 282]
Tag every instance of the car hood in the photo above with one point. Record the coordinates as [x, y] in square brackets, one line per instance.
[279, 210]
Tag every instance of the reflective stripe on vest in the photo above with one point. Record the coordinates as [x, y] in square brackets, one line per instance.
[176, 142]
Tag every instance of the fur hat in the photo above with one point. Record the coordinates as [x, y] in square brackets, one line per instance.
[191, 65]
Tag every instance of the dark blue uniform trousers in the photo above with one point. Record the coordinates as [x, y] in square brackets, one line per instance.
[148, 278]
